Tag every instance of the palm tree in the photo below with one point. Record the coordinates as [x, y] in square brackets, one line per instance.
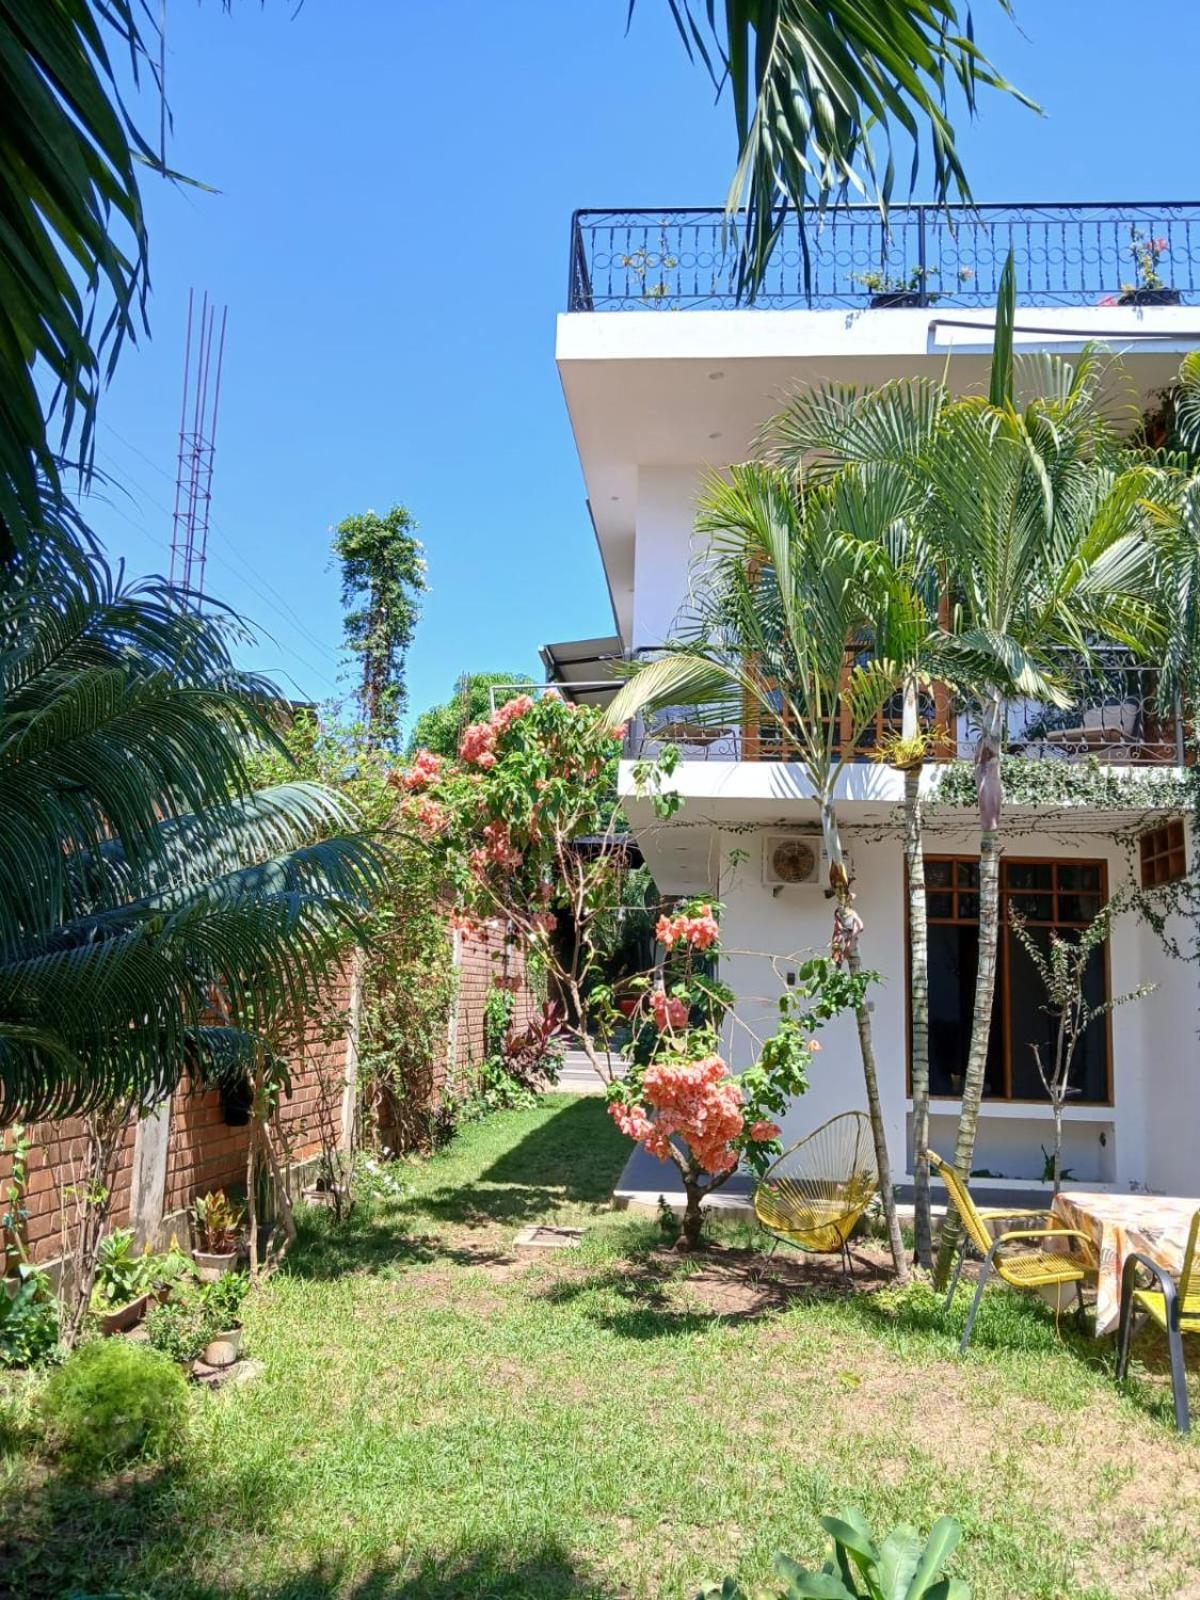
[819, 92]
[1040, 541]
[803, 625]
[157, 913]
[1045, 541]
[821, 432]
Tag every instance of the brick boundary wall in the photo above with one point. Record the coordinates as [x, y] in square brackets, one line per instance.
[203, 1152]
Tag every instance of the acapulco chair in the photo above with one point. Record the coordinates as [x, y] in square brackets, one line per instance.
[813, 1196]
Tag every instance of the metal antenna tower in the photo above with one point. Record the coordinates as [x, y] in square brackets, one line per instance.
[203, 356]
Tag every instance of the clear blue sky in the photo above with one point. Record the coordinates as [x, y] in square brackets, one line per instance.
[396, 181]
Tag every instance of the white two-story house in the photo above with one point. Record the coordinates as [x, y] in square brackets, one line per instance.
[667, 378]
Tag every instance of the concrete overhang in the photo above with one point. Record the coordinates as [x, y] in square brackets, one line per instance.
[673, 388]
[718, 796]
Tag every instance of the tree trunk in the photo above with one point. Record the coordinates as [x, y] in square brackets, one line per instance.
[990, 793]
[847, 925]
[692, 1222]
[875, 1111]
[103, 1136]
[914, 855]
[1058, 1134]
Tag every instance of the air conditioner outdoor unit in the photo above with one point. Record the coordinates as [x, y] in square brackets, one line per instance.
[791, 859]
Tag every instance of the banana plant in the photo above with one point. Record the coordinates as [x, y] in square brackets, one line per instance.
[900, 1567]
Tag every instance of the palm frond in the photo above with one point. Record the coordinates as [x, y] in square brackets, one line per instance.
[822, 93]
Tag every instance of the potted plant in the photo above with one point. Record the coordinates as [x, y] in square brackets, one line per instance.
[223, 1306]
[888, 292]
[218, 1222]
[1149, 290]
[120, 1293]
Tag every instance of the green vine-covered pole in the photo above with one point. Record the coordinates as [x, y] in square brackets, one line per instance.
[383, 574]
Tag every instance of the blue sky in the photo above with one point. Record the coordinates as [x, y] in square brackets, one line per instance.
[396, 181]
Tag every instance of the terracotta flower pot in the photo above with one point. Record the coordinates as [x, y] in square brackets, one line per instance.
[127, 1316]
[211, 1264]
[224, 1350]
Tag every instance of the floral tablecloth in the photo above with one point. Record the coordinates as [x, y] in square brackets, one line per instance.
[1121, 1225]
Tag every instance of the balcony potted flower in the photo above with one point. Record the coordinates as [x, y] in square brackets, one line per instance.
[888, 293]
[1149, 290]
[218, 1224]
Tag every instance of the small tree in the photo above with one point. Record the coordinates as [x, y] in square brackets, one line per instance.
[681, 1102]
[383, 573]
[527, 831]
[1063, 971]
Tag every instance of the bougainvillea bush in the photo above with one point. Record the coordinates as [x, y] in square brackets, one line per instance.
[680, 1100]
[528, 835]
[528, 831]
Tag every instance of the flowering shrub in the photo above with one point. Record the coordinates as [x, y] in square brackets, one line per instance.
[700, 931]
[1146, 252]
[681, 1101]
[503, 823]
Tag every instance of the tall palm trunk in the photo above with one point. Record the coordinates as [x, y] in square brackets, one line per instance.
[989, 789]
[847, 927]
[918, 944]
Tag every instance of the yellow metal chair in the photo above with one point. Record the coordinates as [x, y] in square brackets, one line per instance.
[1174, 1306]
[815, 1193]
[1022, 1267]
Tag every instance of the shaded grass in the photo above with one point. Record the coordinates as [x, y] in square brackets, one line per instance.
[437, 1418]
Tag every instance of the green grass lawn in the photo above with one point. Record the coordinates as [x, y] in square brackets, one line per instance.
[435, 1418]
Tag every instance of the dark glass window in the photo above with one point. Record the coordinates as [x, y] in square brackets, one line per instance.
[1051, 896]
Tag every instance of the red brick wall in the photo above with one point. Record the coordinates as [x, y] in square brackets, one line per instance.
[483, 957]
[57, 1161]
[204, 1153]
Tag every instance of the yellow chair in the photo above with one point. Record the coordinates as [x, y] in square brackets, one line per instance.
[814, 1194]
[1021, 1268]
[1174, 1306]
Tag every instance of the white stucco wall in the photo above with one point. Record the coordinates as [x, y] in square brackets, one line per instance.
[1147, 1136]
[666, 511]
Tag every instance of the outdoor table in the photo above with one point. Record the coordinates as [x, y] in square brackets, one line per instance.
[1121, 1225]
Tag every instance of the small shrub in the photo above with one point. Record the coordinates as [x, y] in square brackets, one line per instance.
[195, 1314]
[113, 1403]
[123, 1272]
[28, 1319]
[180, 1329]
[223, 1301]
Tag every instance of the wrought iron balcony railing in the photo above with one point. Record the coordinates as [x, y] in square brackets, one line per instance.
[1115, 718]
[1075, 254]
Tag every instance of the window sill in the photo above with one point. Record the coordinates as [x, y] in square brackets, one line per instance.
[1023, 1110]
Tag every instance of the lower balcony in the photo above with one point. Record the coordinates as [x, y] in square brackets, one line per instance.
[1116, 718]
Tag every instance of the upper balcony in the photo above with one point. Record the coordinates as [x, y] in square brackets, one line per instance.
[1081, 254]
[658, 401]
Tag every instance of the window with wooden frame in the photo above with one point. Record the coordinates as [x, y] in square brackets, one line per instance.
[1163, 852]
[1052, 896]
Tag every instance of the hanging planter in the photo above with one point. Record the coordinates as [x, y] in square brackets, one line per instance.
[237, 1102]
